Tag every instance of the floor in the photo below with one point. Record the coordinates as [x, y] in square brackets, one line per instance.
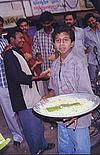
[50, 135]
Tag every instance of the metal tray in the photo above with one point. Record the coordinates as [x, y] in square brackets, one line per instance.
[39, 107]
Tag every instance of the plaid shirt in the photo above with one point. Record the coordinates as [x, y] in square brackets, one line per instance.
[42, 43]
[3, 80]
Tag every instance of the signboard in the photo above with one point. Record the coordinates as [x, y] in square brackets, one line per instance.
[11, 8]
[54, 6]
[11, 11]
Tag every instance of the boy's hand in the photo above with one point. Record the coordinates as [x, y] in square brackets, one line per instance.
[70, 122]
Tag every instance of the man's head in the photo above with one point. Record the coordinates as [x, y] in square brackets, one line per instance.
[63, 38]
[16, 38]
[23, 24]
[1, 25]
[70, 18]
[46, 19]
[90, 20]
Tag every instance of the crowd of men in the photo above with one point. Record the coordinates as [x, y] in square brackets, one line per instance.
[51, 61]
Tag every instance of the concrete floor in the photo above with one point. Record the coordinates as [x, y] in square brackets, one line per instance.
[50, 135]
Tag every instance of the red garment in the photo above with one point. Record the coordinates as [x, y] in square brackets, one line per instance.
[27, 48]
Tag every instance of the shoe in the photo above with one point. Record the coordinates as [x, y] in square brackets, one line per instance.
[50, 146]
[16, 143]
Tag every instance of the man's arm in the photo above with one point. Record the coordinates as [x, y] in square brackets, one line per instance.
[51, 93]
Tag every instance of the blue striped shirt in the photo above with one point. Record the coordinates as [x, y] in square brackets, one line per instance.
[3, 80]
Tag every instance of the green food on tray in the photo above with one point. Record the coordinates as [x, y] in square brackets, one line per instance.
[51, 109]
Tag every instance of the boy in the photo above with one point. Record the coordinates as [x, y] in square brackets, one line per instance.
[70, 75]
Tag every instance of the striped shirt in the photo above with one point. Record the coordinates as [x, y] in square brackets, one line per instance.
[3, 80]
[42, 43]
[92, 39]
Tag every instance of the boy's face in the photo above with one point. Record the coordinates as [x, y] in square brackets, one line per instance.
[63, 42]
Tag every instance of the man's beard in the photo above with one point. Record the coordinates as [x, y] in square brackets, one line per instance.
[93, 25]
[70, 25]
[48, 29]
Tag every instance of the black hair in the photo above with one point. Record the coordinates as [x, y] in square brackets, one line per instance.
[63, 28]
[46, 16]
[1, 19]
[88, 16]
[21, 20]
[12, 33]
[70, 13]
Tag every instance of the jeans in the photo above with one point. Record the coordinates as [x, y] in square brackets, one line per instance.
[73, 142]
[33, 130]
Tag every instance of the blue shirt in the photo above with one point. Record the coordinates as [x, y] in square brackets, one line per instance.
[71, 76]
[79, 44]
[92, 39]
[3, 80]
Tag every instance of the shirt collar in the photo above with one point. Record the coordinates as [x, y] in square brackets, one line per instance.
[90, 29]
[76, 28]
[68, 57]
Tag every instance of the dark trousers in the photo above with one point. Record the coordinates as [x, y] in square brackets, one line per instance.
[33, 130]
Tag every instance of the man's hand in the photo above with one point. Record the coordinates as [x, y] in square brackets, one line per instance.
[51, 93]
[7, 47]
[46, 73]
[39, 58]
[44, 77]
[40, 78]
[98, 25]
[39, 62]
[36, 63]
[88, 49]
[27, 56]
